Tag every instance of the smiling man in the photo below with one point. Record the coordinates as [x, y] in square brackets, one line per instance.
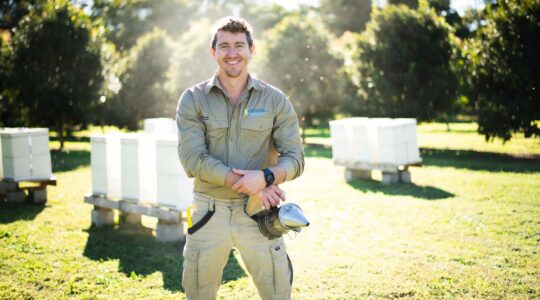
[238, 137]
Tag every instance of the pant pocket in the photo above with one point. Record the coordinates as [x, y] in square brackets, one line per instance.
[282, 272]
[190, 273]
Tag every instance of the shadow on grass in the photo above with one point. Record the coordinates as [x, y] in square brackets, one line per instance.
[139, 254]
[479, 161]
[12, 212]
[69, 160]
[401, 189]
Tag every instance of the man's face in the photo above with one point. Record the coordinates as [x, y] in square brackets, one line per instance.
[232, 53]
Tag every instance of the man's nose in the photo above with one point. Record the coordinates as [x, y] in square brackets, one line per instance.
[232, 51]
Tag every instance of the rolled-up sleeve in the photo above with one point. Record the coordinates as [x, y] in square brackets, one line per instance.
[287, 139]
[192, 149]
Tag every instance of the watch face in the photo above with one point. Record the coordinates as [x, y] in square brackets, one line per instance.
[268, 177]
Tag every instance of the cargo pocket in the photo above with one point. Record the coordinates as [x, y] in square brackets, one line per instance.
[190, 274]
[282, 272]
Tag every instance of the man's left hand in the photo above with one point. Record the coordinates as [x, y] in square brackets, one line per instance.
[252, 181]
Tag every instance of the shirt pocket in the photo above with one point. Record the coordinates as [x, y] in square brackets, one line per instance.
[216, 133]
[255, 134]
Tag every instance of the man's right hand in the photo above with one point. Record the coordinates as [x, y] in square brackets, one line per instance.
[271, 196]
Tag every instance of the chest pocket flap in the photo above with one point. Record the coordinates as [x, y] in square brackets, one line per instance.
[257, 123]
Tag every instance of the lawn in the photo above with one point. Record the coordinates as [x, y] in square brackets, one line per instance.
[468, 227]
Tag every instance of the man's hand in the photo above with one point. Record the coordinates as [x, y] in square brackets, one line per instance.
[252, 181]
[271, 196]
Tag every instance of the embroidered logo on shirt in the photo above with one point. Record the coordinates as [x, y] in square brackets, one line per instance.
[255, 112]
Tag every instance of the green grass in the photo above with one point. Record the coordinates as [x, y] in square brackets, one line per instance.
[468, 227]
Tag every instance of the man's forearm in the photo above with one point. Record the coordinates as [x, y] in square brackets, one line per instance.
[231, 178]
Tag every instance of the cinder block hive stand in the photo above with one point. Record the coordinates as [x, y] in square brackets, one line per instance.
[169, 227]
[31, 190]
[390, 173]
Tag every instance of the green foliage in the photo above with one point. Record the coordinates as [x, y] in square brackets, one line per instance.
[11, 12]
[56, 69]
[298, 60]
[345, 15]
[191, 61]
[505, 75]
[128, 20]
[410, 3]
[143, 93]
[401, 65]
[262, 16]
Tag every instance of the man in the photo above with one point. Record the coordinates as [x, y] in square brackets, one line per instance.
[238, 137]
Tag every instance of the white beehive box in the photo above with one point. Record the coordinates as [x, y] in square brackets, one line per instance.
[129, 164]
[106, 165]
[174, 188]
[348, 136]
[25, 154]
[374, 141]
[164, 126]
[138, 168]
[393, 141]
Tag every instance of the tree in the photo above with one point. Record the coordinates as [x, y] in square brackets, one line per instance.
[56, 69]
[143, 93]
[345, 15]
[401, 65]
[262, 16]
[297, 59]
[128, 20]
[505, 75]
[191, 61]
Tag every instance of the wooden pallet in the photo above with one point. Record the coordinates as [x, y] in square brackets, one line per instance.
[28, 190]
[391, 173]
[169, 227]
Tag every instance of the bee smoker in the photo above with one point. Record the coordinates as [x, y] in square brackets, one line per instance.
[276, 221]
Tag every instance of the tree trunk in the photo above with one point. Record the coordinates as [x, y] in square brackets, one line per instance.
[60, 134]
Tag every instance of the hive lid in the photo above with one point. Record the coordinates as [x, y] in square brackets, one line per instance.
[22, 131]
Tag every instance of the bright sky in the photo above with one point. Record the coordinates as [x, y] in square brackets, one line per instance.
[459, 5]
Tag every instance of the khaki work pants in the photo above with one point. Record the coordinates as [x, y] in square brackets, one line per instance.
[207, 250]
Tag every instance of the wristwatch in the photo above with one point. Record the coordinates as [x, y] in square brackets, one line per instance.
[268, 176]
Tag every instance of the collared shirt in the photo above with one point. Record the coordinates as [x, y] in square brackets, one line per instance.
[214, 136]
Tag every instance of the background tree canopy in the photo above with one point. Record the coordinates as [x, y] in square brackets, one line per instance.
[55, 70]
[307, 73]
[505, 76]
[119, 61]
[401, 64]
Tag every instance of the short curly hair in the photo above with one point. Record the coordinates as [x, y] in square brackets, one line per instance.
[234, 25]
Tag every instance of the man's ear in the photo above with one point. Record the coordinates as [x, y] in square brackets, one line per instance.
[252, 49]
[213, 52]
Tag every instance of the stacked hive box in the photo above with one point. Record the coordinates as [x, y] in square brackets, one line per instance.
[160, 126]
[138, 168]
[25, 154]
[149, 169]
[375, 141]
[173, 185]
[106, 168]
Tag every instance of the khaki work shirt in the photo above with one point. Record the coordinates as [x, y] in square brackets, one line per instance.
[214, 137]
